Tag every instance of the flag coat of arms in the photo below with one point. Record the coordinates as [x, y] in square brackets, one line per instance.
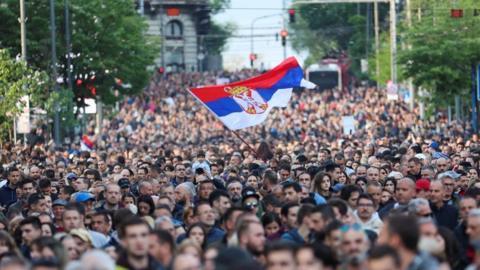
[247, 103]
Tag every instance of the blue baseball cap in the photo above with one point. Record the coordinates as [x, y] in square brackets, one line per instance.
[337, 187]
[84, 196]
[71, 176]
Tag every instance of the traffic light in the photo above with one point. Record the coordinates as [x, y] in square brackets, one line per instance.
[291, 15]
[456, 13]
[202, 15]
[161, 70]
[284, 34]
[253, 57]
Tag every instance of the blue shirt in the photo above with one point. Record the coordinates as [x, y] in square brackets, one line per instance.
[214, 235]
[293, 236]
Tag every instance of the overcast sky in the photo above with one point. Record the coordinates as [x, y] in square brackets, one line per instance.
[242, 13]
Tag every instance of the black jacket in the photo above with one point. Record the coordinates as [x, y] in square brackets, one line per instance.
[152, 263]
[446, 216]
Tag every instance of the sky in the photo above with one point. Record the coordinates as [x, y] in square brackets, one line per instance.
[269, 51]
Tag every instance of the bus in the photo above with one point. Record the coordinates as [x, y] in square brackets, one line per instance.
[328, 74]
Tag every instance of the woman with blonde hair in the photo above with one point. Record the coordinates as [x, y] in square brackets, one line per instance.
[8, 247]
[190, 246]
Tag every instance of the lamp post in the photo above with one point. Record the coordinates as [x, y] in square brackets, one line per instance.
[251, 31]
[56, 121]
[23, 35]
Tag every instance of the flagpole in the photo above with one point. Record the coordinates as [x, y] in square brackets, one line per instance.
[233, 131]
[245, 142]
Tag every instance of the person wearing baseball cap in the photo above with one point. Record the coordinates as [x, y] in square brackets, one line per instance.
[423, 188]
[87, 199]
[251, 200]
[58, 207]
[83, 240]
[124, 185]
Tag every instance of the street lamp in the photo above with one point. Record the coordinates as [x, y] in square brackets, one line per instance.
[251, 32]
[56, 122]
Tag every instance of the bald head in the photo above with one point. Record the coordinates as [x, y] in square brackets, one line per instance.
[405, 190]
[408, 181]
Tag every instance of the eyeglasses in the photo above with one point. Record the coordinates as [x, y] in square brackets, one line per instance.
[346, 227]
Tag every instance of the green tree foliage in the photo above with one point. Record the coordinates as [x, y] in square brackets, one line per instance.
[219, 33]
[218, 36]
[16, 80]
[218, 6]
[108, 42]
[385, 62]
[443, 49]
[327, 29]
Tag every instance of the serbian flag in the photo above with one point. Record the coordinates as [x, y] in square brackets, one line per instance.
[247, 103]
[86, 144]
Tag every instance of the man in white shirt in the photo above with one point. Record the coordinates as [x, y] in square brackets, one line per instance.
[366, 214]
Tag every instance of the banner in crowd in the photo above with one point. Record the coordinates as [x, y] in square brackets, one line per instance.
[247, 103]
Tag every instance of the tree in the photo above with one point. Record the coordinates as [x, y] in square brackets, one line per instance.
[385, 62]
[218, 33]
[328, 29]
[218, 6]
[217, 37]
[16, 80]
[108, 43]
[443, 50]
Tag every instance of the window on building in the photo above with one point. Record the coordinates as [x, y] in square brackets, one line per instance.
[174, 30]
[174, 57]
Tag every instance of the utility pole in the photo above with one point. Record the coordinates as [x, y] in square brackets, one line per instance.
[68, 45]
[56, 121]
[377, 41]
[410, 81]
[474, 98]
[283, 23]
[367, 29]
[23, 44]
[252, 27]
[23, 32]
[142, 7]
[393, 41]
[162, 32]
[68, 49]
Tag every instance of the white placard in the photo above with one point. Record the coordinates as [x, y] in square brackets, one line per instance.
[23, 120]
[392, 91]
[348, 123]
[222, 81]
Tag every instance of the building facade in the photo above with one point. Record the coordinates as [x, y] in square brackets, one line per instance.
[181, 25]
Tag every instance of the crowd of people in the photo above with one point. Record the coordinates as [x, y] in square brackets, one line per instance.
[166, 186]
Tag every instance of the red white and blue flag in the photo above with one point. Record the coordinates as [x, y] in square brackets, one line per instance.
[86, 144]
[247, 103]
